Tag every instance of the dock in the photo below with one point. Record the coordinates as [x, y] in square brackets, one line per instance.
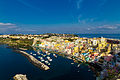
[33, 60]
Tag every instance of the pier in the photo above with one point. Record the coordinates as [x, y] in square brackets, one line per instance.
[33, 60]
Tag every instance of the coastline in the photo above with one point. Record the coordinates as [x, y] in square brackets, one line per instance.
[33, 60]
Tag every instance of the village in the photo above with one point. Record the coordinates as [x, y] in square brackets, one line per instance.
[101, 54]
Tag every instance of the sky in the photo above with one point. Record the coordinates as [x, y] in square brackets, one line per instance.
[59, 16]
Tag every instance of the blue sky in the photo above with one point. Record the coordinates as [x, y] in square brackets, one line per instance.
[59, 16]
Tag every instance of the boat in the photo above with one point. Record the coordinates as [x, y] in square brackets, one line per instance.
[49, 58]
[78, 65]
[54, 55]
[72, 63]
[48, 53]
[46, 62]
[42, 60]
[38, 52]
[44, 55]
[34, 54]
[31, 53]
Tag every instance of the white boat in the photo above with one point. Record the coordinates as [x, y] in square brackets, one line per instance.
[48, 53]
[46, 62]
[54, 55]
[34, 54]
[31, 53]
[42, 60]
[44, 55]
[78, 65]
[38, 53]
[49, 58]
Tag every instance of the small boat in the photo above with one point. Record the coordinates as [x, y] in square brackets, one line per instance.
[38, 53]
[34, 54]
[44, 55]
[48, 53]
[46, 62]
[42, 60]
[49, 58]
[54, 55]
[72, 63]
[78, 65]
[31, 53]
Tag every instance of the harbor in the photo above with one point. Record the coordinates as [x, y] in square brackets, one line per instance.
[33, 60]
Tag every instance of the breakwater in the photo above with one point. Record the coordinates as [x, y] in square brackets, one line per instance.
[33, 60]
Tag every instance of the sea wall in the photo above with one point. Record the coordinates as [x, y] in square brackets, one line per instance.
[33, 60]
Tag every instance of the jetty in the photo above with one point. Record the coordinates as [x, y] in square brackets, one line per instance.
[20, 77]
[33, 60]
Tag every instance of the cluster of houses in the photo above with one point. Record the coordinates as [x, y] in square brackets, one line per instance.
[103, 51]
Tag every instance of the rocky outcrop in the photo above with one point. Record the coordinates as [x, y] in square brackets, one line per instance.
[20, 77]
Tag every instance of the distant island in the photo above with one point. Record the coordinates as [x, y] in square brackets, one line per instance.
[102, 55]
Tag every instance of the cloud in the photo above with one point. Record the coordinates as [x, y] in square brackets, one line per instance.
[6, 24]
[108, 27]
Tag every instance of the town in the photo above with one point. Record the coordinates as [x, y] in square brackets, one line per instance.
[101, 54]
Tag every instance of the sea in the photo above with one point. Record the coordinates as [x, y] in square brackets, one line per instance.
[12, 63]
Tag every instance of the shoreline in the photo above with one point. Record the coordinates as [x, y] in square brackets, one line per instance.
[33, 60]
